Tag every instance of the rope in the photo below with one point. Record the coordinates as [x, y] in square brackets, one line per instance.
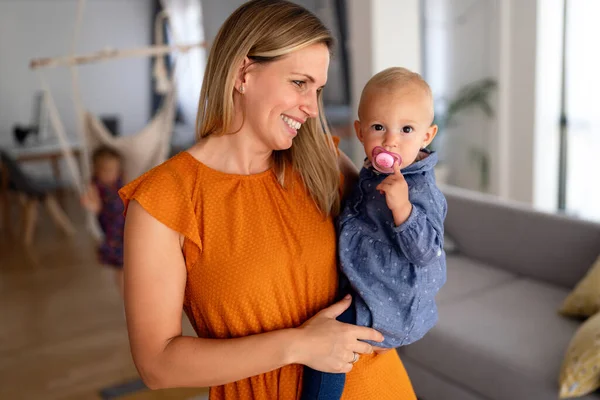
[164, 83]
[77, 100]
[160, 70]
[59, 129]
[85, 173]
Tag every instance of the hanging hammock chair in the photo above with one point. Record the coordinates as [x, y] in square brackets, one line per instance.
[140, 151]
[150, 146]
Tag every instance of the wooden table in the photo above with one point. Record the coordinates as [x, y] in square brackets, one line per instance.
[49, 151]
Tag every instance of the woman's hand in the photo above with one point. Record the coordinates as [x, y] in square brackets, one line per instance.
[329, 345]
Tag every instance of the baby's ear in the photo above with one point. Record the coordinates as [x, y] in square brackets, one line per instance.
[429, 135]
[358, 131]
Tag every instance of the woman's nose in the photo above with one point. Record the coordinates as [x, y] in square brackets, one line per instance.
[310, 106]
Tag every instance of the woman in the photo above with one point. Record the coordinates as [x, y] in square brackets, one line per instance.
[239, 229]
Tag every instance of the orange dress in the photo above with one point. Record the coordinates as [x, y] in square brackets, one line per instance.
[259, 257]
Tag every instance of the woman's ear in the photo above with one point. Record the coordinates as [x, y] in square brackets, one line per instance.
[241, 77]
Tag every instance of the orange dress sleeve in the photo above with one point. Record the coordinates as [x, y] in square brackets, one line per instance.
[167, 193]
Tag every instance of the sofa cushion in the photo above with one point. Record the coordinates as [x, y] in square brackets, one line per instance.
[580, 372]
[508, 342]
[466, 277]
[584, 300]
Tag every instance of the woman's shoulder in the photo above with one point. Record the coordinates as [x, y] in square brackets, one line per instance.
[167, 192]
[179, 171]
[169, 184]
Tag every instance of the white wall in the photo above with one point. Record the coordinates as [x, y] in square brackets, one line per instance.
[382, 34]
[519, 121]
[40, 28]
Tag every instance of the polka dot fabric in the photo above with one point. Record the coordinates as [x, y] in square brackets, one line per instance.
[259, 257]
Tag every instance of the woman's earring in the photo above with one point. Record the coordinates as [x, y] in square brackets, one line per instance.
[242, 89]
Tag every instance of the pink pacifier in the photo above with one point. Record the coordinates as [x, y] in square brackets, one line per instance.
[383, 160]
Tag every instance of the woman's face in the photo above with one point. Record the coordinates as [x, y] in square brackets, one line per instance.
[280, 96]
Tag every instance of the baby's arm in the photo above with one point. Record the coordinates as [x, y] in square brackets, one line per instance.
[419, 211]
[421, 236]
[91, 199]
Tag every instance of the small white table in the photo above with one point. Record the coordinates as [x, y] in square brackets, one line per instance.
[48, 150]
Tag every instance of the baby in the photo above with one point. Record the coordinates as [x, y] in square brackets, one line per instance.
[103, 199]
[392, 226]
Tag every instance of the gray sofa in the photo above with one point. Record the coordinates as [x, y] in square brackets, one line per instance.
[499, 336]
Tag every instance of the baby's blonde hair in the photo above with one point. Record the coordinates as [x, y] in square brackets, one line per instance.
[394, 78]
[264, 31]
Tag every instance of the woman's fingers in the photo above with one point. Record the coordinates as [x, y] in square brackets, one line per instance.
[362, 348]
[350, 357]
[364, 333]
[338, 308]
[331, 345]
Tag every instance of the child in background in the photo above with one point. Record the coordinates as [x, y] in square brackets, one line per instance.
[391, 228]
[103, 199]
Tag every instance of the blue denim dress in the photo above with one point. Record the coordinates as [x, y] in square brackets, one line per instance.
[395, 272]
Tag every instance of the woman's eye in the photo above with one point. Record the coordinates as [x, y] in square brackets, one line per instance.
[377, 127]
[300, 84]
[407, 129]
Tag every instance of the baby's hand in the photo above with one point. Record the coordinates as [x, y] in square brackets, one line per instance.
[395, 189]
[90, 200]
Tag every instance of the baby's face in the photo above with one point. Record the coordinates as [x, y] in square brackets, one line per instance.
[398, 120]
[108, 170]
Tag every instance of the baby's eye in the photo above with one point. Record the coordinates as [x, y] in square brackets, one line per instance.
[377, 127]
[407, 129]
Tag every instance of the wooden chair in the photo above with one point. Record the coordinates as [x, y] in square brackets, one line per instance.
[31, 192]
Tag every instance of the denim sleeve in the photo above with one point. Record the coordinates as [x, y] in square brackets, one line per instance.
[421, 236]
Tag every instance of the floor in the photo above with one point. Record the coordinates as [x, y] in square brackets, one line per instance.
[63, 333]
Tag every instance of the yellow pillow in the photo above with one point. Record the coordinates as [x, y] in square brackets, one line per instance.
[584, 300]
[580, 372]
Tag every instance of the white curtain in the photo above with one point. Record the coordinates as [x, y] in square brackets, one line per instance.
[583, 85]
[186, 26]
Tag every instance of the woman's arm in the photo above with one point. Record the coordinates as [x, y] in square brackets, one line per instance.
[155, 279]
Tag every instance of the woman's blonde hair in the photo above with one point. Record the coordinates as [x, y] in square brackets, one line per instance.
[264, 31]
